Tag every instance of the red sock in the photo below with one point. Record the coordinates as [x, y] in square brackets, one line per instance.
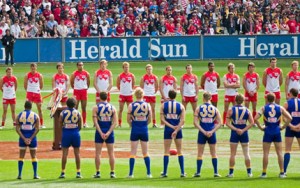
[41, 121]
[2, 124]
[120, 122]
[84, 117]
[224, 118]
[253, 113]
[154, 121]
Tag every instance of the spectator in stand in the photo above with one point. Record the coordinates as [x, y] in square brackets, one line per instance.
[85, 30]
[31, 29]
[3, 27]
[258, 27]
[292, 24]
[283, 27]
[128, 30]
[51, 23]
[274, 27]
[231, 23]
[23, 33]
[94, 27]
[137, 28]
[240, 26]
[191, 29]
[170, 26]
[120, 29]
[249, 27]
[47, 12]
[162, 28]
[15, 29]
[54, 33]
[62, 29]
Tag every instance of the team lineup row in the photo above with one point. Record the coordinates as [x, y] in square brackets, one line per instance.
[207, 117]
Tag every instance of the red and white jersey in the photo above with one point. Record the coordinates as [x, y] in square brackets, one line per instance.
[102, 79]
[33, 83]
[231, 79]
[9, 87]
[126, 84]
[273, 79]
[80, 79]
[61, 81]
[189, 89]
[149, 84]
[251, 81]
[294, 80]
[168, 84]
[211, 82]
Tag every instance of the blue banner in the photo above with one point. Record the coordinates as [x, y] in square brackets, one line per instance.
[50, 50]
[175, 48]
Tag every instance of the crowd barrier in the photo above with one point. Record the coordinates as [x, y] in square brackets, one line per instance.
[155, 48]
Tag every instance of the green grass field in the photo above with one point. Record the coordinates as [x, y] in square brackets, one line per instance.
[49, 169]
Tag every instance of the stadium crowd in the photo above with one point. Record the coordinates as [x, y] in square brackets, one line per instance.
[119, 18]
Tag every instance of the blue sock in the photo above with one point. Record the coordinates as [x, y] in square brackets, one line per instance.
[231, 170]
[287, 157]
[34, 165]
[215, 164]
[199, 165]
[20, 166]
[131, 165]
[166, 163]
[249, 171]
[181, 163]
[147, 163]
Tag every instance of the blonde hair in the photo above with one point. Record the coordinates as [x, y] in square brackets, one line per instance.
[169, 66]
[230, 65]
[148, 65]
[139, 93]
[102, 61]
[295, 62]
[125, 64]
[206, 95]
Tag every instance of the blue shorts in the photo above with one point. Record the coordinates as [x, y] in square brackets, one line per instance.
[235, 138]
[33, 143]
[202, 139]
[272, 138]
[70, 138]
[168, 134]
[291, 133]
[109, 140]
[143, 136]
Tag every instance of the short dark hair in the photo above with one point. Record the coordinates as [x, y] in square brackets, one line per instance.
[172, 94]
[187, 66]
[210, 63]
[78, 63]
[33, 64]
[239, 99]
[103, 95]
[273, 59]
[294, 92]
[59, 65]
[270, 97]
[28, 105]
[71, 102]
[251, 64]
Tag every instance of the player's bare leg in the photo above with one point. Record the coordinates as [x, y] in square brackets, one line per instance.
[40, 112]
[288, 149]
[226, 107]
[245, 148]
[111, 155]
[13, 113]
[144, 146]
[77, 160]
[167, 146]
[200, 148]
[34, 162]
[213, 153]
[266, 151]
[121, 107]
[194, 106]
[153, 114]
[64, 158]
[278, 148]
[233, 148]
[178, 143]
[83, 112]
[5, 106]
[133, 151]
[98, 147]
[21, 161]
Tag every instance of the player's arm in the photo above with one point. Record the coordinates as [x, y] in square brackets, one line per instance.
[218, 81]
[88, 80]
[182, 118]
[202, 81]
[197, 120]
[238, 83]
[218, 120]
[114, 119]
[118, 82]
[18, 129]
[133, 81]
[1, 84]
[110, 81]
[95, 83]
[175, 85]
[68, 85]
[196, 86]
[95, 120]
[280, 78]
[129, 116]
[25, 82]
[228, 121]
[244, 83]
[162, 118]
[287, 118]
[53, 82]
[264, 78]
[150, 114]
[80, 123]
[142, 83]
[156, 84]
[250, 121]
[16, 84]
[181, 86]
[72, 80]
[287, 82]
[41, 82]
[225, 83]
[37, 127]
[161, 88]
[257, 83]
[256, 118]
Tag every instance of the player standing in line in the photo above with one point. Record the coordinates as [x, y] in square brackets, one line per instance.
[138, 117]
[80, 82]
[189, 88]
[27, 127]
[33, 84]
[125, 84]
[210, 81]
[205, 117]
[292, 79]
[61, 80]
[71, 123]
[172, 114]
[293, 107]
[103, 81]
[8, 85]
[272, 80]
[231, 84]
[251, 86]
[167, 82]
[105, 120]
[149, 84]
[272, 115]
[237, 118]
